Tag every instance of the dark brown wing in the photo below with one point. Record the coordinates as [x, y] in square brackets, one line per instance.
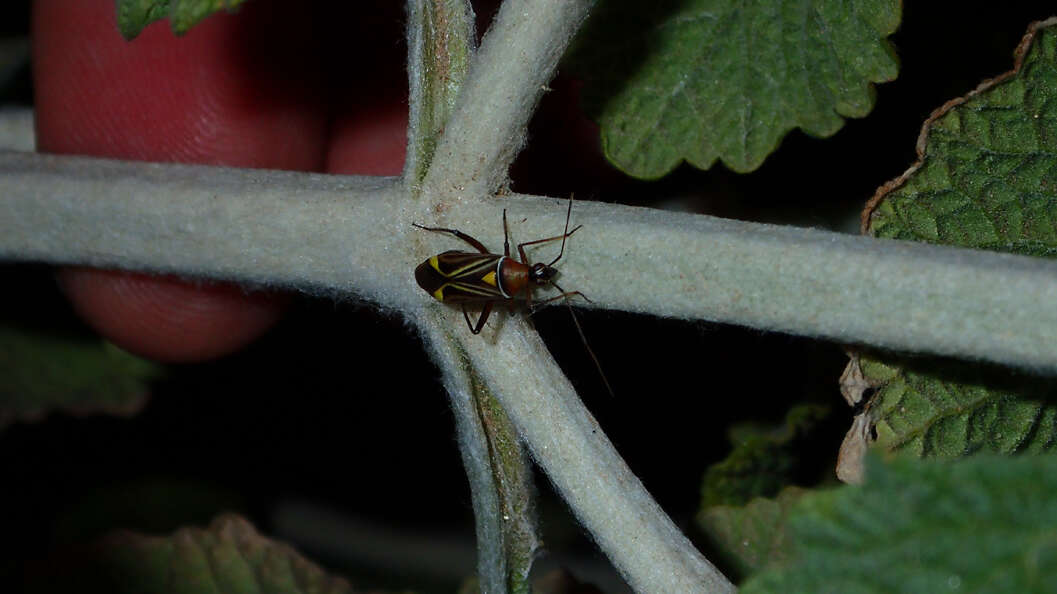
[460, 277]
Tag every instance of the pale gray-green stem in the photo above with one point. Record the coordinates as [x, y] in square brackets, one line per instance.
[441, 42]
[345, 235]
[492, 566]
[516, 60]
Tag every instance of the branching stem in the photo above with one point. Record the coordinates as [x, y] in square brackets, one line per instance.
[346, 235]
[352, 236]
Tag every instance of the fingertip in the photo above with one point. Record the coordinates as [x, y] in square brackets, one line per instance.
[237, 90]
[241, 90]
[168, 319]
[370, 142]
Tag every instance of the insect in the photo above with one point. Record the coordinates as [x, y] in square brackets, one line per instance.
[487, 278]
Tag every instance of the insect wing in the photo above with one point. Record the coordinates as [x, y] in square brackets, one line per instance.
[460, 277]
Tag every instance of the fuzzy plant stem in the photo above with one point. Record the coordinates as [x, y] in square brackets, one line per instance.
[345, 235]
[644, 545]
[257, 227]
[441, 42]
[516, 60]
[492, 566]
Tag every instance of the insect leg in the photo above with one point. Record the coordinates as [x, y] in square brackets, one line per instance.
[579, 328]
[477, 245]
[562, 296]
[506, 237]
[481, 319]
[590, 352]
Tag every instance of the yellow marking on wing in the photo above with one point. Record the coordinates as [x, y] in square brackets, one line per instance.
[436, 266]
[439, 293]
[489, 278]
[468, 269]
[473, 289]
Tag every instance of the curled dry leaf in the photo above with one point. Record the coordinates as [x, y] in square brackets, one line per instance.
[855, 386]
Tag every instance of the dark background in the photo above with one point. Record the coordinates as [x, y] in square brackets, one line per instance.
[339, 409]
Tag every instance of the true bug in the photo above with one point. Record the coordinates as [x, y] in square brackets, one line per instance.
[487, 278]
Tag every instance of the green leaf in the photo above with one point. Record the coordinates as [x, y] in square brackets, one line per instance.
[40, 373]
[134, 15]
[987, 171]
[697, 80]
[986, 524]
[228, 557]
[986, 178]
[936, 409]
[763, 459]
[188, 13]
[752, 536]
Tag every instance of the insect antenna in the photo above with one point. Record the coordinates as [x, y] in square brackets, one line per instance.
[583, 338]
[565, 234]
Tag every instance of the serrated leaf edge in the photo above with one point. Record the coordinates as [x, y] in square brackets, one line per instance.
[890, 186]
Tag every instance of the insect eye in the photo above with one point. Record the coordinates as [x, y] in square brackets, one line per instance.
[545, 273]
